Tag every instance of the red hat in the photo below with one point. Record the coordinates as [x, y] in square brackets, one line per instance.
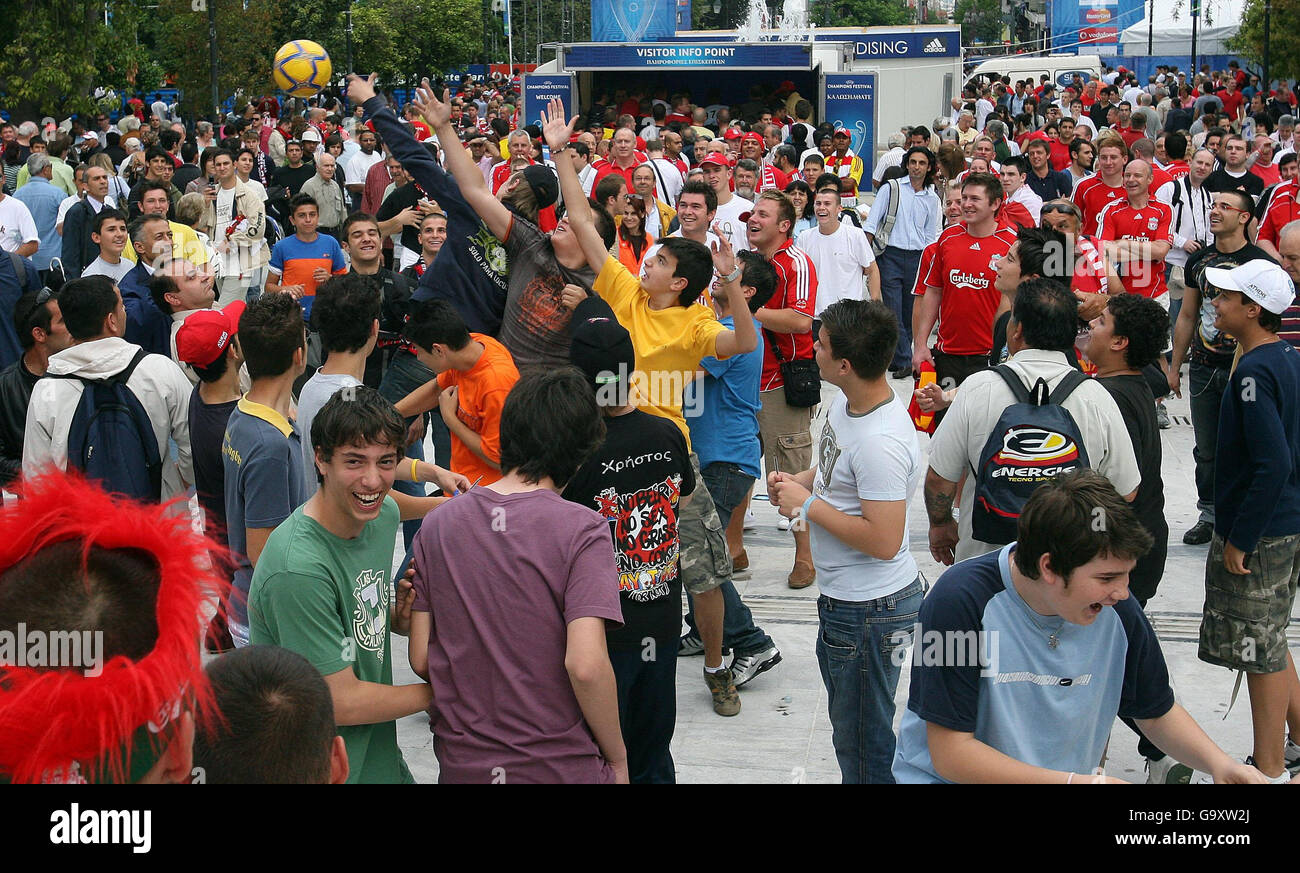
[720, 159]
[840, 128]
[732, 133]
[754, 135]
[205, 335]
[787, 85]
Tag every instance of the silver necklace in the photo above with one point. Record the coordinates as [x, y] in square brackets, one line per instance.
[1053, 634]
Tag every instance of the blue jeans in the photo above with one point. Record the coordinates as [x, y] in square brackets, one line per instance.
[1208, 384]
[856, 647]
[897, 277]
[728, 485]
[647, 711]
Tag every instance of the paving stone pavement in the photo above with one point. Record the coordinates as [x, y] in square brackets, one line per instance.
[782, 734]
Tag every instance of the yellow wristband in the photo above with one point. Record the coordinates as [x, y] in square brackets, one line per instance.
[415, 475]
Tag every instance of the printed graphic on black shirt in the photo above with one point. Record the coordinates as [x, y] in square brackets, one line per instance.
[645, 537]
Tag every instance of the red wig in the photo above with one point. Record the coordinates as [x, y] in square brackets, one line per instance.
[51, 720]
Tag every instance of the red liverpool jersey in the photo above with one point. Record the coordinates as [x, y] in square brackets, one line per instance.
[1119, 221]
[965, 267]
[796, 288]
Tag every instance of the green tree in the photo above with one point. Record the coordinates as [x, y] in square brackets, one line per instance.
[246, 47]
[1284, 49]
[53, 55]
[980, 20]
[864, 13]
[450, 36]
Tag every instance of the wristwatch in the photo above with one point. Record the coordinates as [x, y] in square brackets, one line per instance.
[562, 148]
[730, 277]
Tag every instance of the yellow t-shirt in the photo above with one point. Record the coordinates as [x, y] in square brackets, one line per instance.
[669, 342]
[185, 244]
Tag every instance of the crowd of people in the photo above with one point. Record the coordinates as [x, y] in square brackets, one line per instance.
[612, 331]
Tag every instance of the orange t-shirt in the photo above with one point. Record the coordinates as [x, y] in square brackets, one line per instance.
[482, 393]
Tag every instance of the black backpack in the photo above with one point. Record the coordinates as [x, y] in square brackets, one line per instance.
[111, 439]
[1034, 440]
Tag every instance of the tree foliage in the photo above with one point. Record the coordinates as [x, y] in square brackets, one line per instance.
[403, 40]
[53, 55]
[979, 20]
[1284, 49]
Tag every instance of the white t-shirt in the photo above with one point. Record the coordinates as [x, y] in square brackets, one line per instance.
[359, 165]
[225, 211]
[668, 179]
[872, 456]
[839, 258]
[957, 443]
[319, 389]
[101, 267]
[16, 225]
[733, 228]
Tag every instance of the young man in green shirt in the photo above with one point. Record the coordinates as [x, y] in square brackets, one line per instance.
[322, 586]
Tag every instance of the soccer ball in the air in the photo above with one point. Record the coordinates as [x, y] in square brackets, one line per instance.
[302, 68]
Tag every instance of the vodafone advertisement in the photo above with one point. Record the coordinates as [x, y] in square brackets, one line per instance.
[1098, 22]
[1092, 26]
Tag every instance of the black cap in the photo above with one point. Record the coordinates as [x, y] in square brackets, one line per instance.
[602, 349]
[546, 188]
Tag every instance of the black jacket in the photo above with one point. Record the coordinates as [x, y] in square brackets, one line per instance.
[16, 383]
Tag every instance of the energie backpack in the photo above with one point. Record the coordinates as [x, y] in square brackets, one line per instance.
[1035, 439]
[112, 440]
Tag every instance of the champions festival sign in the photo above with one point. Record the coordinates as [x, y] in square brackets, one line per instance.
[849, 99]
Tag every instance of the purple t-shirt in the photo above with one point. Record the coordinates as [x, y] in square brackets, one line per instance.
[502, 577]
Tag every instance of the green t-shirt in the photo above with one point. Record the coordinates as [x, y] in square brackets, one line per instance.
[328, 599]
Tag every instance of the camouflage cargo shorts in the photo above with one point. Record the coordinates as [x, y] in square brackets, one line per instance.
[705, 561]
[1245, 618]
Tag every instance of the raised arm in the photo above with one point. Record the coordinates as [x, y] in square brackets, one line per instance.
[466, 173]
[557, 132]
[744, 338]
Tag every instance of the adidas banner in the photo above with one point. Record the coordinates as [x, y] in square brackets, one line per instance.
[925, 44]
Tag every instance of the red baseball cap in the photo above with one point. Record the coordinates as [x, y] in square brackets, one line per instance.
[754, 135]
[718, 159]
[732, 133]
[206, 334]
[840, 128]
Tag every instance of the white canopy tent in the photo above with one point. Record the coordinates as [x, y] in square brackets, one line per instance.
[1174, 36]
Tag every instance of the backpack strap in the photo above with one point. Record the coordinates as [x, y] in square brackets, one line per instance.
[20, 270]
[1073, 379]
[1013, 382]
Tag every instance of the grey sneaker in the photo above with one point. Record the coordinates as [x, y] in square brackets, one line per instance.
[726, 700]
[1292, 757]
[690, 645]
[1162, 416]
[746, 667]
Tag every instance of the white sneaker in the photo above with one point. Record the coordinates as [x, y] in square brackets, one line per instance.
[751, 520]
[783, 523]
[1167, 771]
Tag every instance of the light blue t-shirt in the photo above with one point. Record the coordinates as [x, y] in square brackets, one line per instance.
[1049, 707]
[871, 456]
[319, 389]
[722, 409]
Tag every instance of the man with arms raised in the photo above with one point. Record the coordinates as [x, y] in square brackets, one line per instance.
[671, 335]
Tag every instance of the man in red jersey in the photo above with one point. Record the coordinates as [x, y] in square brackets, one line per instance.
[787, 321]
[959, 288]
[1106, 184]
[1137, 235]
[1283, 209]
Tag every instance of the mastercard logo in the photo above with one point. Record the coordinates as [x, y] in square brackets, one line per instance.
[1097, 16]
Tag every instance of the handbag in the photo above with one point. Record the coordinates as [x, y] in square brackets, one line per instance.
[802, 377]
